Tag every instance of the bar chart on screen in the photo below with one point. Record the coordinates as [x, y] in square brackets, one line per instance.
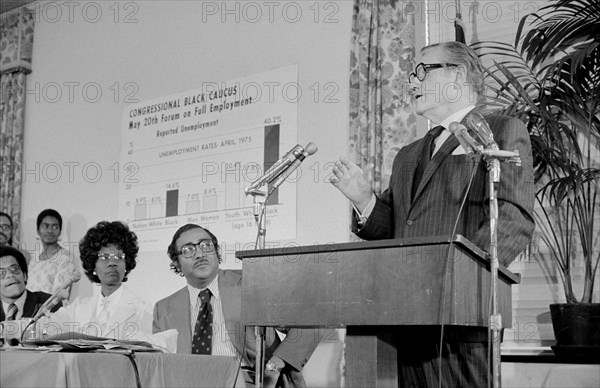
[190, 157]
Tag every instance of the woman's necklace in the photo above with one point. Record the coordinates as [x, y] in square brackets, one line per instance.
[45, 254]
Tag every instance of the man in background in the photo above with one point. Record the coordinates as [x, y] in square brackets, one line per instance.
[207, 313]
[6, 226]
[430, 179]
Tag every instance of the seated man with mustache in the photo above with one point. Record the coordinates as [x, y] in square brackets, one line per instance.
[207, 314]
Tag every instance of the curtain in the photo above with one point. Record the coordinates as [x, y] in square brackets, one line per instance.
[382, 119]
[16, 48]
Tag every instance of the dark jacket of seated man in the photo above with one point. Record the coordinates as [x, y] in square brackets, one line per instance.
[13, 281]
[194, 253]
[33, 302]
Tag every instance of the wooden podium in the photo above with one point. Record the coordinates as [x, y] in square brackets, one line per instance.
[368, 287]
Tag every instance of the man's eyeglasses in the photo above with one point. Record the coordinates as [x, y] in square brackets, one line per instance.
[189, 250]
[423, 68]
[12, 269]
[5, 227]
[111, 256]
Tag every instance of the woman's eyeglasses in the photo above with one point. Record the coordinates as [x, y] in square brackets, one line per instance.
[111, 256]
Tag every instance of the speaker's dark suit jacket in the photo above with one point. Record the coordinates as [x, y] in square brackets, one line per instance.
[434, 211]
[33, 302]
[173, 312]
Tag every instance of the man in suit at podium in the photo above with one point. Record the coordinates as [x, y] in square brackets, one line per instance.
[207, 313]
[17, 301]
[430, 179]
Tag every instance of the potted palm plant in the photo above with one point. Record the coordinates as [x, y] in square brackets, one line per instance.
[550, 78]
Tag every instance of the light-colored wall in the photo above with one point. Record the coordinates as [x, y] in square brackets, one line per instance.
[170, 47]
[147, 49]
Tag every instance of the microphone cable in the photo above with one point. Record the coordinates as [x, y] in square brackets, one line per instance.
[25, 329]
[131, 357]
[476, 161]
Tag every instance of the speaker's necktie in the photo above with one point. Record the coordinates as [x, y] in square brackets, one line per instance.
[428, 147]
[12, 312]
[202, 338]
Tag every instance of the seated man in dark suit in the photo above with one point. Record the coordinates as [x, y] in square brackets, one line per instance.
[17, 302]
[207, 313]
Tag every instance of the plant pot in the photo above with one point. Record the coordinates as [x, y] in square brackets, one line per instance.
[577, 330]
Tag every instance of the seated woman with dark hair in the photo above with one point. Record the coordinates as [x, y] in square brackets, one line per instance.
[108, 253]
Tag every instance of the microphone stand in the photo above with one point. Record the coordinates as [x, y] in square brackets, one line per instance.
[260, 190]
[259, 205]
[482, 142]
[495, 320]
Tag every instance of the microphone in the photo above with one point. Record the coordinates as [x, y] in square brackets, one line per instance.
[296, 153]
[466, 141]
[311, 148]
[74, 278]
[477, 138]
[59, 296]
[481, 130]
[480, 140]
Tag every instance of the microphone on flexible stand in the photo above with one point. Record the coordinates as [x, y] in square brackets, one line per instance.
[487, 147]
[479, 139]
[480, 129]
[58, 296]
[275, 177]
[278, 173]
[46, 308]
[297, 152]
[467, 142]
[310, 149]
[74, 278]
